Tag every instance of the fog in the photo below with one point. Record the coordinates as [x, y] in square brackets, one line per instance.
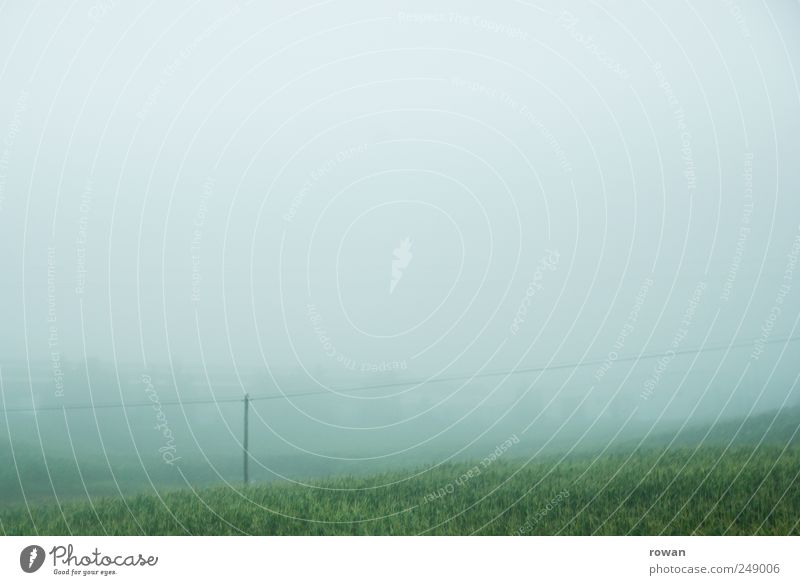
[408, 232]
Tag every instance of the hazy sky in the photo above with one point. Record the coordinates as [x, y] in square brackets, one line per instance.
[451, 186]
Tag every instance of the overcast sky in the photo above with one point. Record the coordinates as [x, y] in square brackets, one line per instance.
[448, 187]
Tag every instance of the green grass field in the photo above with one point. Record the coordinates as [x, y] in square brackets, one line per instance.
[709, 490]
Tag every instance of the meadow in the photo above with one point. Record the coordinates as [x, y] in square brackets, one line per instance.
[739, 490]
[739, 477]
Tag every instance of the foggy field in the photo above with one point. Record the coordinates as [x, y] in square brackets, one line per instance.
[740, 477]
[448, 267]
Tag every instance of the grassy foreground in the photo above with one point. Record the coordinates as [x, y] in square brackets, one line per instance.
[708, 490]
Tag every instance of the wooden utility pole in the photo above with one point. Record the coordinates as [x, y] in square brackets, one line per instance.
[246, 437]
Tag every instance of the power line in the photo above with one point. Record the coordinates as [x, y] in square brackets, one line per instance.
[120, 405]
[283, 396]
[592, 362]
